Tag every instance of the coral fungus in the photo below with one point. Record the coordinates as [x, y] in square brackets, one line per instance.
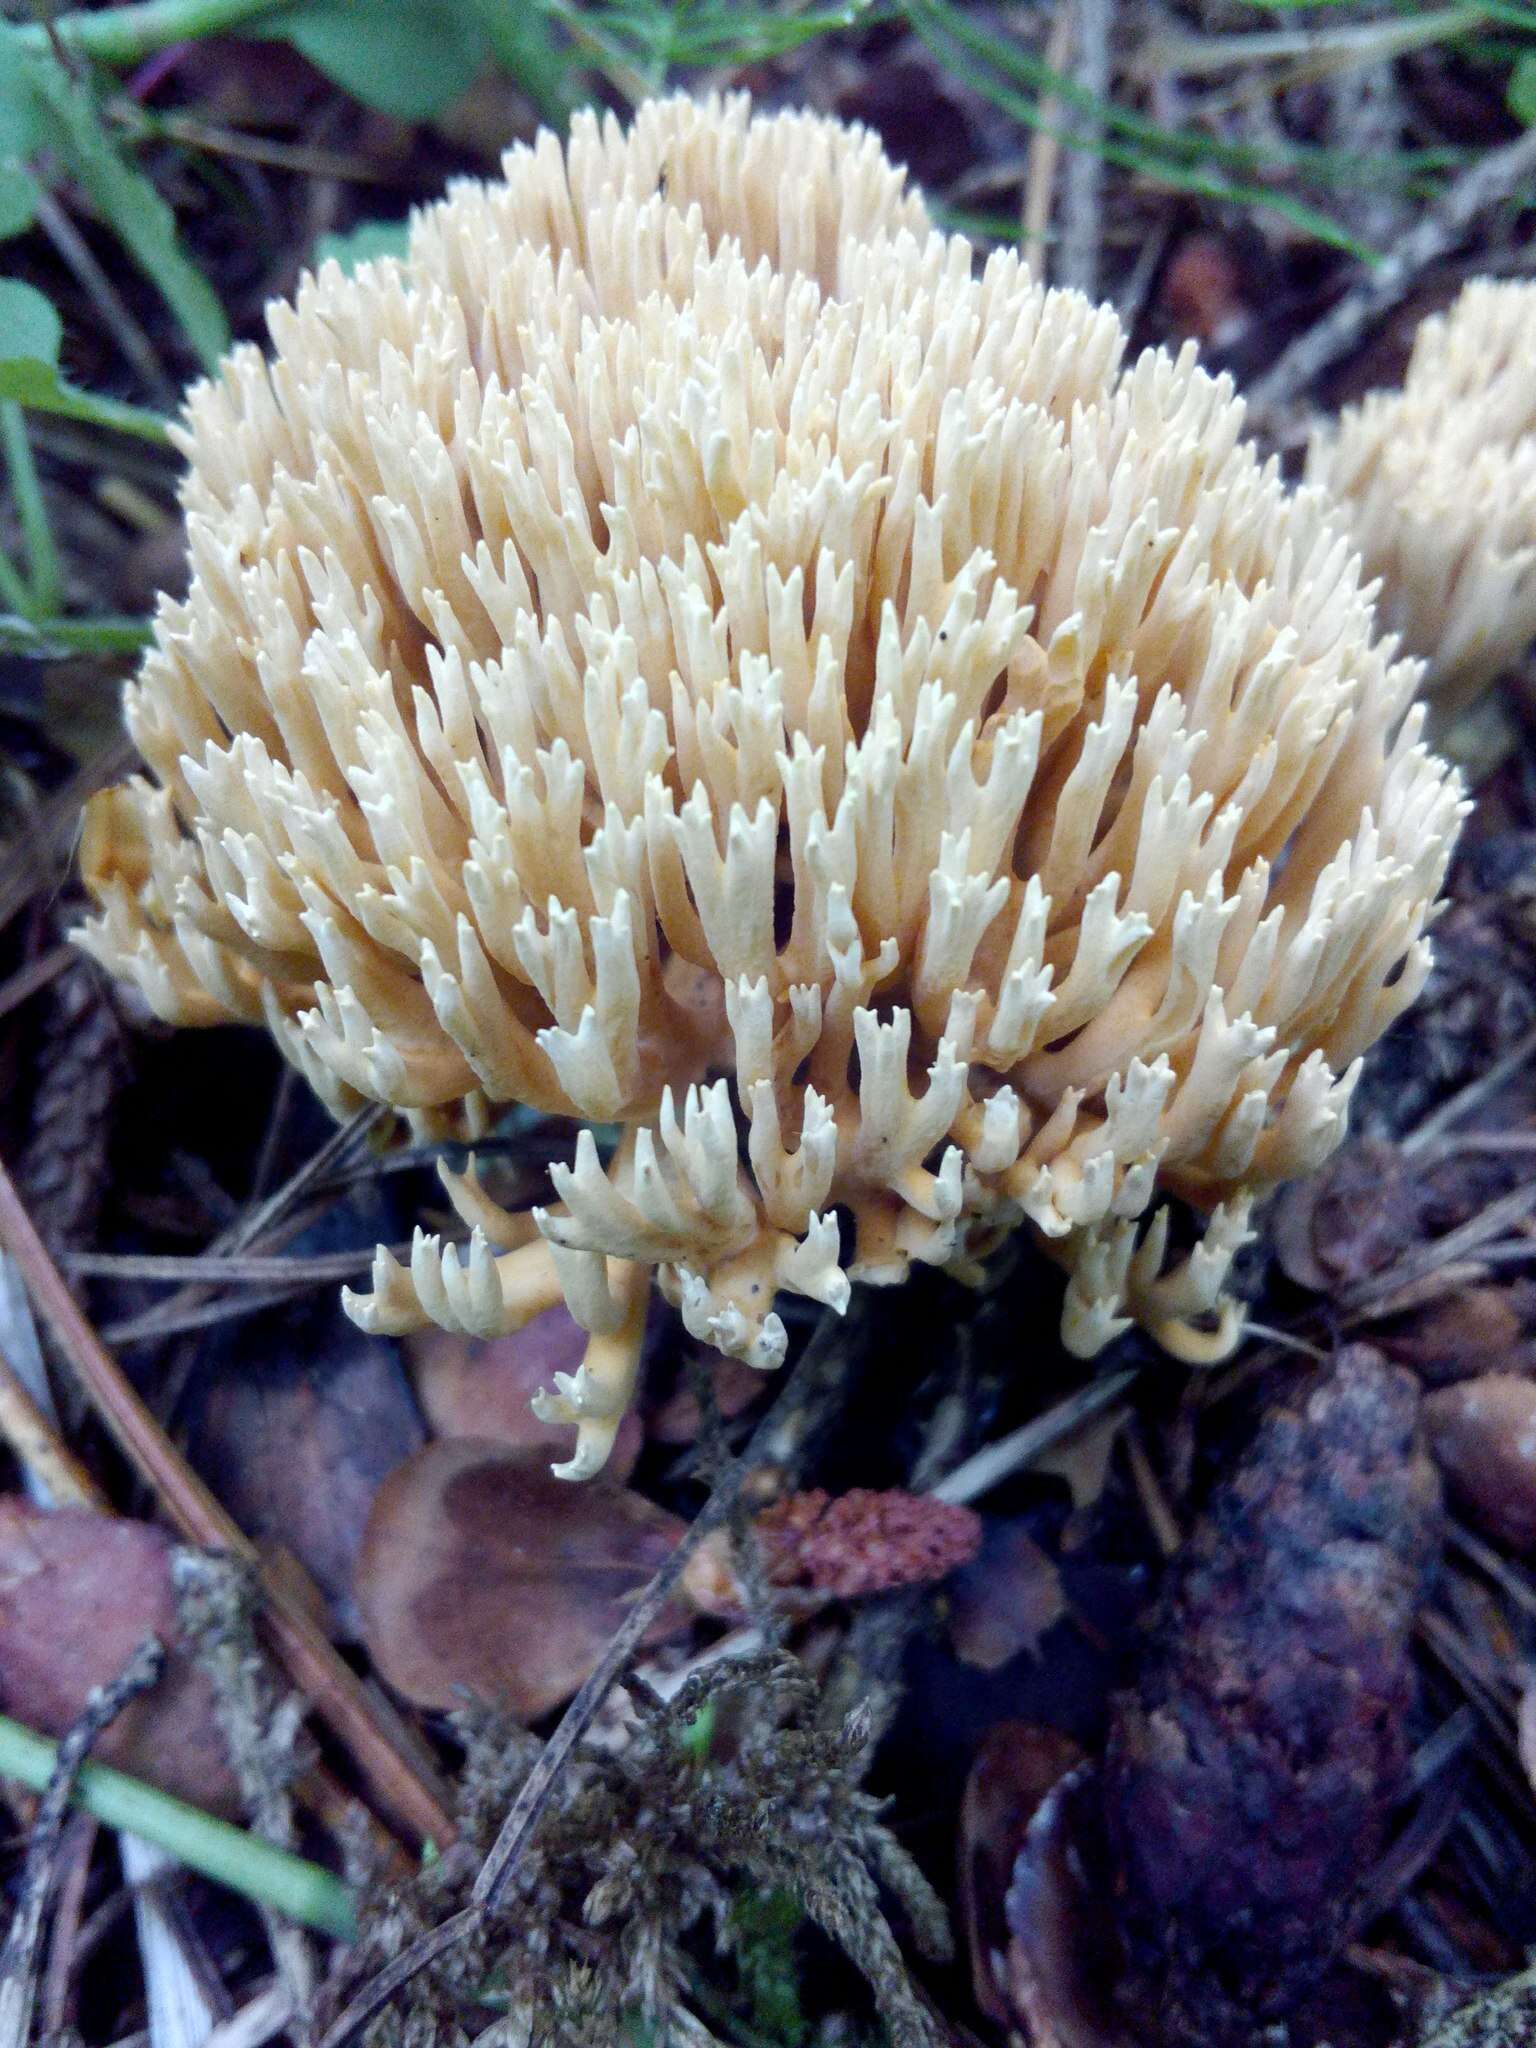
[683, 651]
[1437, 483]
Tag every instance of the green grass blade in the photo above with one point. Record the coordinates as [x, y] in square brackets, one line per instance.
[57, 639]
[121, 36]
[654, 38]
[13, 586]
[1019, 85]
[140, 218]
[45, 576]
[230, 1856]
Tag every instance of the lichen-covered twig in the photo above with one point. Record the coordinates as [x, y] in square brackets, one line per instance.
[578, 1717]
[1504, 2017]
[20, 1955]
[217, 1598]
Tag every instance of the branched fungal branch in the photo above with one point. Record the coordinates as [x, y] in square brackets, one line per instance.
[681, 650]
[1437, 484]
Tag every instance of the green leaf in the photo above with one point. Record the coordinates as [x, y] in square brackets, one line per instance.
[20, 130]
[29, 326]
[1520, 96]
[30, 334]
[69, 123]
[365, 243]
[409, 60]
[18, 199]
[38, 384]
[524, 44]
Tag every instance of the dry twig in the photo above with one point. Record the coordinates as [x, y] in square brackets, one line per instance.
[248, 1269]
[192, 1306]
[1492, 179]
[1044, 157]
[996, 1462]
[1082, 185]
[30, 980]
[300, 1644]
[74, 1870]
[1427, 1259]
[1473, 1096]
[39, 1449]
[50, 828]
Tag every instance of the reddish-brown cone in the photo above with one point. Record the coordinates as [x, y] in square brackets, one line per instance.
[864, 1541]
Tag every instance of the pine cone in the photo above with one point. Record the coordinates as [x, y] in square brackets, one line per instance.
[1251, 1774]
[62, 1169]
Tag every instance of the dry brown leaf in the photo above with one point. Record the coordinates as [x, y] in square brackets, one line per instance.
[1016, 1765]
[1354, 1218]
[1473, 1331]
[79, 1592]
[1003, 1603]
[1063, 1959]
[1525, 1725]
[1483, 1435]
[482, 1576]
[296, 1443]
[1083, 1459]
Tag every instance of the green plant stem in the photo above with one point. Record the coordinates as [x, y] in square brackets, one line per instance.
[93, 409]
[127, 35]
[22, 635]
[45, 575]
[226, 1854]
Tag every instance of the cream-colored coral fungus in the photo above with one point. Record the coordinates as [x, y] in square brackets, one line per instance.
[682, 651]
[1437, 484]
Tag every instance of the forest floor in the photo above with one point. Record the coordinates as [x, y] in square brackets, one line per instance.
[807, 1725]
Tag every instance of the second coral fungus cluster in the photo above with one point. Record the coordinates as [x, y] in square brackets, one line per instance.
[1437, 482]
